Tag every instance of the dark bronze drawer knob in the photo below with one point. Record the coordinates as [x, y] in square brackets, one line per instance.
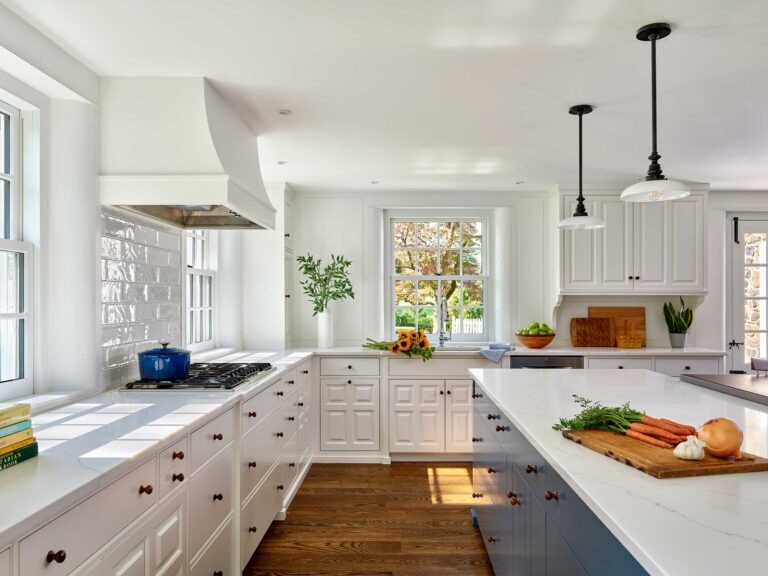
[349, 367]
[218, 497]
[218, 437]
[177, 455]
[477, 439]
[252, 529]
[251, 414]
[491, 470]
[145, 489]
[494, 416]
[477, 395]
[291, 464]
[492, 540]
[514, 501]
[476, 495]
[178, 477]
[621, 367]
[279, 434]
[532, 469]
[218, 573]
[57, 557]
[549, 495]
[300, 404]
[502, 428]
[687, 367]
[305, 371]
[511, 494]
[280, 487]
[279, 393]
[291, 382]
[291, 418]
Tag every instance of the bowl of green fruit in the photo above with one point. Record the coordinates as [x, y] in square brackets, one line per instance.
[535, 335]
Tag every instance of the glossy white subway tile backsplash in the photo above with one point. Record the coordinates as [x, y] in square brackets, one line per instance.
[141, 290]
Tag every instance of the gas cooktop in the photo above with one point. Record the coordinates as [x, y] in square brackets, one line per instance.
[209, 376]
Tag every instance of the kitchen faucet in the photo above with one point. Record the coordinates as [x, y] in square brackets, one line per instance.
[442, 313]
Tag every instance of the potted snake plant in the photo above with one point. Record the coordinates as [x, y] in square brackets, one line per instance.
[678, 323]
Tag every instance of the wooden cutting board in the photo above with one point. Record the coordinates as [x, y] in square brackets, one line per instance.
[593, 332]
[629, 320]
[659, 462]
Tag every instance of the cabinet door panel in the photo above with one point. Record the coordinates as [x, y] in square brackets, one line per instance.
[168, 550]
[615, 241]
[417, 416]
[365, 427]
[650, 235]
[579, 251]
[134, 562]
[686, 246]
[518, 513]
[349, 414]
[458, 416]
[560, 558]
[537, 549]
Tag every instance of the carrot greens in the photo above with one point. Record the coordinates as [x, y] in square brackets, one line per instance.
[595, 416]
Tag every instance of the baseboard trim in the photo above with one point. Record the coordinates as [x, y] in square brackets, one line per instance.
[431, 457]
[293, 490]
[350, 459]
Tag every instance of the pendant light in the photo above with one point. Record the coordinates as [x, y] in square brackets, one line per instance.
[655, 187]
[580, 219]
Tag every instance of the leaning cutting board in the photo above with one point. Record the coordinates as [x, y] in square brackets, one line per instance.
[659, 462]
[629, 320]
[593, 332]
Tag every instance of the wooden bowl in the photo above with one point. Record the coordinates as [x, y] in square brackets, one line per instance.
[535, 341]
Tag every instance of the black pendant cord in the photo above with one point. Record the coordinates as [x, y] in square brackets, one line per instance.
[654, 170]
[580, 209]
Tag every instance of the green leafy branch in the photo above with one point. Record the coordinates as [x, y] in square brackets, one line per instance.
[324, 284]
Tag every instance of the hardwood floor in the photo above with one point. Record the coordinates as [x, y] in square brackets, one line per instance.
[405, 519]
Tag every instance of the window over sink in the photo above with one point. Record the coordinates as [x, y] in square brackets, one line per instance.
[432, 258]
[200, 289]
[15, 266]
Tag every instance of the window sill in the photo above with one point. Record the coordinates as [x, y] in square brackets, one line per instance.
[50, 400]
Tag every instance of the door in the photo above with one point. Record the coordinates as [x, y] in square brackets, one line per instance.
[458, 416]
[580, 254]
[650, 245]
[615, 245]
[350, 414]
[749, 311]
[417, 416]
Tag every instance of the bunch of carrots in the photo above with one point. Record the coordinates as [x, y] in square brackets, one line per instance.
[625, 420]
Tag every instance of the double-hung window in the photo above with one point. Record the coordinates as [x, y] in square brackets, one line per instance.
[15, 266]
[200, 286]
[436, 258]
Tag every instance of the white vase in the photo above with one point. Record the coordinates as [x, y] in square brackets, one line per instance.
[325, 329]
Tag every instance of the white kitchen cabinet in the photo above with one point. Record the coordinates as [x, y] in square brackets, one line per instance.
[5, 562]
[645, 248]
[617, 363]
[290, 296]
[677, 366]
[458, 415]
[417, 416]
[349, 414]
[218, 557]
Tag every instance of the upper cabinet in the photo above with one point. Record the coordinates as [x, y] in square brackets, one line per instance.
[645, 248]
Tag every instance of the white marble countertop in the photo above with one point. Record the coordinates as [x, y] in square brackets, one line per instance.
[675, 527]
[86, 445]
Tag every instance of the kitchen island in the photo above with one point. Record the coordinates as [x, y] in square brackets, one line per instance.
[598, 516]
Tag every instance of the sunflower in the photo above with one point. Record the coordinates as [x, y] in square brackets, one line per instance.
[423, 343]
[403, 335]
[394, 348]
[404, 345]
[414, 335]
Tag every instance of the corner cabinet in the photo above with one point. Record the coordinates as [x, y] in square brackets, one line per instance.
[645, 248]
[531, 521]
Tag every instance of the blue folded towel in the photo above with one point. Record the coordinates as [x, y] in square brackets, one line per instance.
[495, 351]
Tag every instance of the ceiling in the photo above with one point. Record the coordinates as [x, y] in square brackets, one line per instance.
[454, 94]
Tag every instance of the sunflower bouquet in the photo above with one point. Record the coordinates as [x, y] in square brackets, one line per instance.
[409, 342]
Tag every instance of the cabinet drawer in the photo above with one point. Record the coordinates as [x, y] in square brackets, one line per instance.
[210, 498]
[290, 461]
[86, 528]
[174, 466]
[257, 408]
[594, 545]
[217, 559]
[620, 363]
[349, 366]
[212, 437]
[676, 366]
[258, 514]
[304, 373]
[5, 563]
[261, 448]
[437, 366]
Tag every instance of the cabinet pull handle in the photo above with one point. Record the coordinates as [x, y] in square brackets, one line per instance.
[305, 371]
[687, 367]
[441, 392]
[251, 414]
[502, 428]
[532, 469]
[218, 497]
[252, 529]
[178, 477]
[57, 557]
[629, 277]
[494, 416]
[218, 573]
[477, 395]
[279, 393]
[349, 381]
[291, 382]
[279, 434]
[349, 367]
[515, 501]
[492, 540]
[621, 367]
[291, 418]
[511, 494]
[476, 495]
[477, 439]
[291, 464]
[145, 489]
[637, 277]
[549, 495]
[491, 470]
[218, 437]
[300, 404]
[251, 464]
[177, 455]
[280, 487]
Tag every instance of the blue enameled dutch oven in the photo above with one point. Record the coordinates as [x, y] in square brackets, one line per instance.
[164, 363]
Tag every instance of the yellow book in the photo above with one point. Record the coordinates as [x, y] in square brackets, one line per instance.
[18, 445]
[15, 438]
[12, 413]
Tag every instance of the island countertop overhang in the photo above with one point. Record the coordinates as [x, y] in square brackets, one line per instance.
[656, 520]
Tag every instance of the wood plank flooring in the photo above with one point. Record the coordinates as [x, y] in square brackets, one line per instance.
[405, 519]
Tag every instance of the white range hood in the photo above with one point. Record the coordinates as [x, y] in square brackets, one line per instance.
[174, 149]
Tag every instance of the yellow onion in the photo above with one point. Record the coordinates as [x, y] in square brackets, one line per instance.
[722, 437]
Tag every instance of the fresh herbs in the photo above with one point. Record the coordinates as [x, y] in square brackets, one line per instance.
[595, 416]
[324, 284]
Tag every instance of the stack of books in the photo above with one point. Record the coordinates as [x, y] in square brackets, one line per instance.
[17, 442]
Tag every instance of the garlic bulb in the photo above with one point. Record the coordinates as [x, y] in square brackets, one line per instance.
[691, 449]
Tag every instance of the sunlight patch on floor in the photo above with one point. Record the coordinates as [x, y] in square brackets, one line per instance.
[448, 485]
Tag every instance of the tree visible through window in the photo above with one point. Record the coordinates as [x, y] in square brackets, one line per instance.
[440, 258]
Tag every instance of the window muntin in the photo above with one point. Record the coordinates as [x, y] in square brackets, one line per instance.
[199, 291]
[433, 258]
[15, 267]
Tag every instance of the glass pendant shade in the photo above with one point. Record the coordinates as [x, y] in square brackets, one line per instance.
[581, 223]
[655, 191]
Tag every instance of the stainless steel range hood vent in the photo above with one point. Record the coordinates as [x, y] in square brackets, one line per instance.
[175, 150]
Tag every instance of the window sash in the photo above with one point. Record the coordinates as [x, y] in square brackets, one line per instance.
[199, 314]
[10, 222]
[21, 386]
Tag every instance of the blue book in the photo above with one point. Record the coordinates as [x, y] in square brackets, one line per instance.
[13, 428]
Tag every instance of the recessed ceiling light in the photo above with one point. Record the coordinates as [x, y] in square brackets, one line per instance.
[285, 112]
[281, 162]
[374, 181]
